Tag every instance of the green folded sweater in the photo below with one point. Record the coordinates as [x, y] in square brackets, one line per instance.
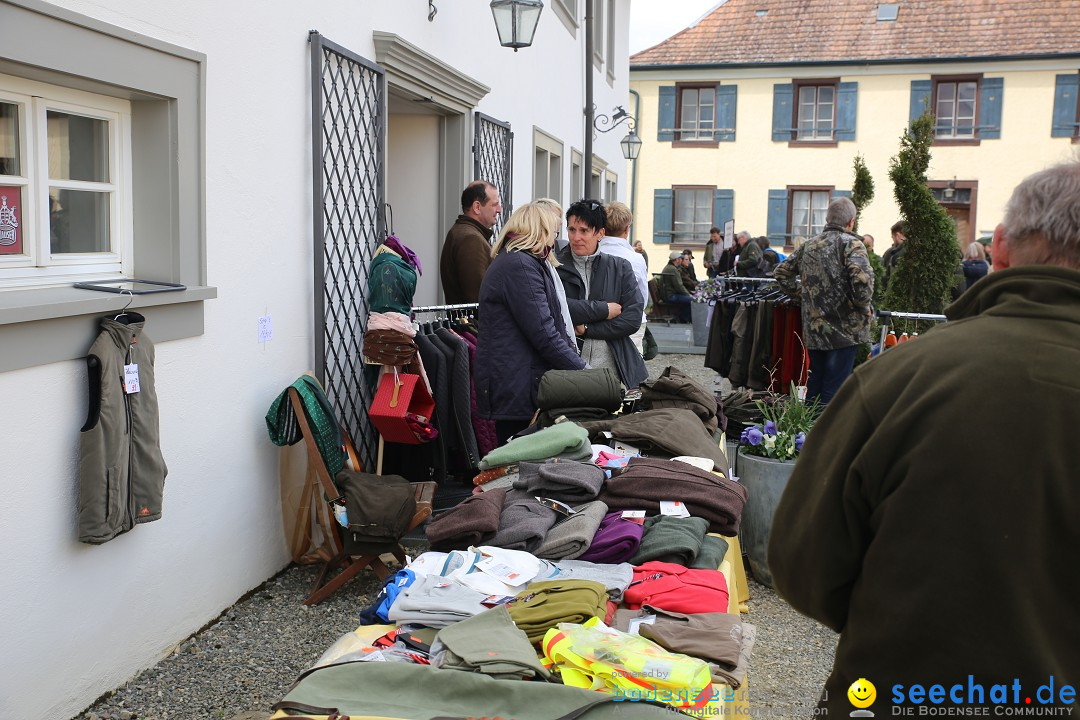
[565, 440]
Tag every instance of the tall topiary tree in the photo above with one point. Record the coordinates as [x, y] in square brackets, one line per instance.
[862, 189]
[923, 276]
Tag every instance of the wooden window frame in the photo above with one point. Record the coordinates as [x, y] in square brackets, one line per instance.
[791, 190]
[977, 78]
[689, 245]
[796, 85]
[678, 141]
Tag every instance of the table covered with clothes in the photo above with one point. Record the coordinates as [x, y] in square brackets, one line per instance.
[581, 576]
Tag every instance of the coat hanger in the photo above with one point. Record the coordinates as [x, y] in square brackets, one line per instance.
[123, 310]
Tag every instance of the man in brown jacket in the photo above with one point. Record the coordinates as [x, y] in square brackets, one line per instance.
[466, 251]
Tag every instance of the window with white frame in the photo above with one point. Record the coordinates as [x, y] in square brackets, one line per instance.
[65, 189]
[547, 166]
[611, 187]
[598, 31]
[808, 207]
[955, 105]
[697, 112]
[816, 118]
[576, 187]
[609, 43]
[693, 216]
[596, 183]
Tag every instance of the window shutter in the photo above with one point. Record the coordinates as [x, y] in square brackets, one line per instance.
[847, 97]
[665, 121]
[1065, 105]
[841, 193]
[661, 216]
[781, 111]
[723, 207]
[726, 96]
[920, 98]
[777, 225]
[991, 91]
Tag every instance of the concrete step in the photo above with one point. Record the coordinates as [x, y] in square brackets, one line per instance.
[675, 338]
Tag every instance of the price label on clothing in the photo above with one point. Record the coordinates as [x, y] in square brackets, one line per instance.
[634, 626]
[675, 508]
[131, 378]
[502, 571]
[636, 516]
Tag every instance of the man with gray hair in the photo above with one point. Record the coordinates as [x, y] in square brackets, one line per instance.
[835, 289]
[887, 515]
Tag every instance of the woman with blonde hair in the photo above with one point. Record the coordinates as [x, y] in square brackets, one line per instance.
[975, 265]
[523, 334]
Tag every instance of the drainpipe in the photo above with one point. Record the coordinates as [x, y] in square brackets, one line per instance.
[587, 160]
[633, 166]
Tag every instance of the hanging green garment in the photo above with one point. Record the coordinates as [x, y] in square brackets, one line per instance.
[284, 430]
[391, 284]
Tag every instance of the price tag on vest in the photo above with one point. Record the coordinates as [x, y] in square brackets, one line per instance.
[131, 378]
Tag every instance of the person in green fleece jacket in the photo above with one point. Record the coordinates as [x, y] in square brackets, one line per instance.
[951, 574]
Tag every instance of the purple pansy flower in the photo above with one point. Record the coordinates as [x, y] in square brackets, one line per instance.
[753, 436]
[799, 438]
[770, 428]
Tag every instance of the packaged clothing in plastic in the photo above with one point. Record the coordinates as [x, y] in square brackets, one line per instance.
[597, 657]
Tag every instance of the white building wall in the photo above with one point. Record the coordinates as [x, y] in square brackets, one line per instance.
[78, 620]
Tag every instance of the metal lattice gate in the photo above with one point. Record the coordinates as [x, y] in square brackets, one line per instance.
[493, 147]
[348, 119]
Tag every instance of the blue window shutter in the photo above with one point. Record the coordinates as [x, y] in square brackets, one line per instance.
[661, 215]
[726, 96]
[991, 91]
[847, 100]
[665, 121]
[777, 225]
[920, 98]
[1065, 105]
[841, 193]
[723, 207]
[781, 111]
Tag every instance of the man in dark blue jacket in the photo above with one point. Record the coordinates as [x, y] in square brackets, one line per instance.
[603, 296]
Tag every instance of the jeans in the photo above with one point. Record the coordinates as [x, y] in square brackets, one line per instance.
[683, 301]
[828, 370]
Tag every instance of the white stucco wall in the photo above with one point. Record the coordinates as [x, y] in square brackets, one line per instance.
[78, 620]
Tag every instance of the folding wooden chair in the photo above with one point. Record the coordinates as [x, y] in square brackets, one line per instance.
[350, 565]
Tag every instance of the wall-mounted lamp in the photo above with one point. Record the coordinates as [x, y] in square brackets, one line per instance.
[631, 144]
[516, 21]
[950, 189]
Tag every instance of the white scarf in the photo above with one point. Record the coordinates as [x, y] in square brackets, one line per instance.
[563, 306]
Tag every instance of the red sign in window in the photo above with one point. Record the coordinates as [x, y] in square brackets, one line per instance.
[10, 220]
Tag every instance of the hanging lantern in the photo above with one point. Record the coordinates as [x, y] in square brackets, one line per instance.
[631, 146]
[516, 21]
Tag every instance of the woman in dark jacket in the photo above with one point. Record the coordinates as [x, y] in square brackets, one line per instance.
[523, 334]
[975, 265]
[605, 302]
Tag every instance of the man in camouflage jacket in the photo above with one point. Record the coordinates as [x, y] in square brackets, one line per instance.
[836, 290]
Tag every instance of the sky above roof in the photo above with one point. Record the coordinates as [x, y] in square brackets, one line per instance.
[653, 21]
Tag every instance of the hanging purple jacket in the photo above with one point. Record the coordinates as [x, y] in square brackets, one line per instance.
[616, 540]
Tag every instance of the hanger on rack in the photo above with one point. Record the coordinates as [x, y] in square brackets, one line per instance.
[388, 220]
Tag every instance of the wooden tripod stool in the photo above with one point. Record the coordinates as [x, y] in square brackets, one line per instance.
[350, 565]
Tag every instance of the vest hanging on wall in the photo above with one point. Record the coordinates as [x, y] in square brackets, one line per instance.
[121, 470]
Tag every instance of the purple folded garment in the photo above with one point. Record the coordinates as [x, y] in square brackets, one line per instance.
[403, 252]
[616, 540]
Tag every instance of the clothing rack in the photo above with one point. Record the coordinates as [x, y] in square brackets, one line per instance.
[461, 307]
[887, 316]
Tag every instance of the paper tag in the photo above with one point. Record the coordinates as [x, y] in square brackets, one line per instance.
[634, 627]
[266, 329]
[625, 449]
[501, 571]
[636, 516]
[131, 378]
[442, 584]
[675, 508]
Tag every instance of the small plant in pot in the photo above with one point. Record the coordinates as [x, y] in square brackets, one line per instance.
[783, 429]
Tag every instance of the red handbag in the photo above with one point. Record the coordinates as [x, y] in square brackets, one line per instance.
[400, 394]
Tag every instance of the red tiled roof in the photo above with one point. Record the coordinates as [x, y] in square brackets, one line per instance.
[813, 31]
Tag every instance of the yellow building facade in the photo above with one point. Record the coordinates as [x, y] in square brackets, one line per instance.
[1000, 120]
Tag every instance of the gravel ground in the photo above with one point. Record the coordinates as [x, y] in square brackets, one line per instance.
[243, 662]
